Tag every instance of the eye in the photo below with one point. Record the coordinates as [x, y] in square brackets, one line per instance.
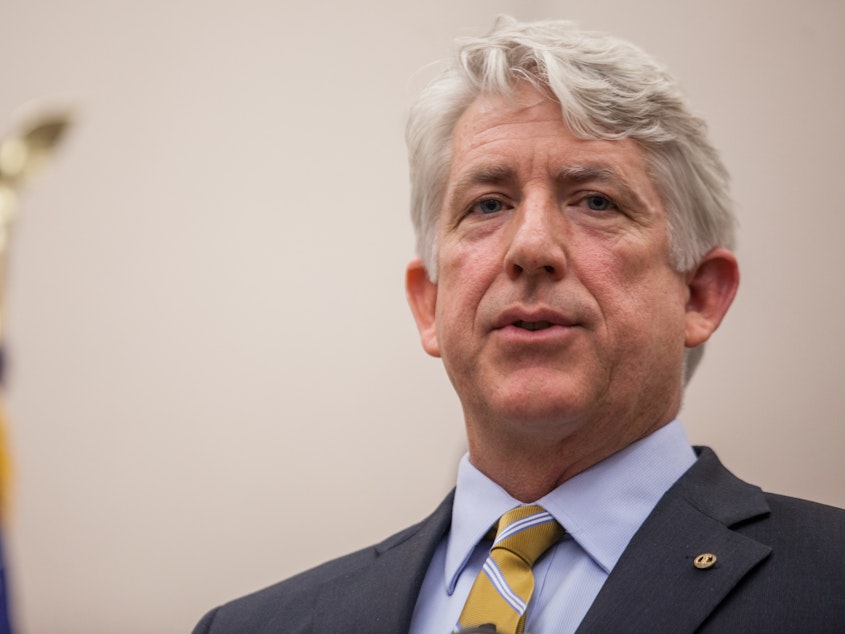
[597, 202]
[488, 206]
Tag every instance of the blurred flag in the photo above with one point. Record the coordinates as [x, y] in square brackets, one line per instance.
[20, 156]
[5, 471]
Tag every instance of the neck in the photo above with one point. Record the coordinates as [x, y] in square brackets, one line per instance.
[530, 467]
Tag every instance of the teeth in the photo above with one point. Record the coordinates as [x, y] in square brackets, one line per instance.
[533, 325]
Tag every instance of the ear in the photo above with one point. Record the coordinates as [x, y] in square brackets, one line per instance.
[422, 296]
[712, 287]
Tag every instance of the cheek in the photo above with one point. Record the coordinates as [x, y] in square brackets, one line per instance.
[609, 276]
[623, 262]
[636, 292]
[466, 252]
[467, 273]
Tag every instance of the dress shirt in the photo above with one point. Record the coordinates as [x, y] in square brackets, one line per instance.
[601, 509]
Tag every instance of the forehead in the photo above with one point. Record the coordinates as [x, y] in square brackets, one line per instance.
[526, 133]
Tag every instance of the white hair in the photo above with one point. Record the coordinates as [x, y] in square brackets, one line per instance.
[607, 89]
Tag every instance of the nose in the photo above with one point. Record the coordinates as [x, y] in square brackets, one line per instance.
[536, 241]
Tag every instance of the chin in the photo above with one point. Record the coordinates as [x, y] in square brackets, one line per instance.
[542, 411]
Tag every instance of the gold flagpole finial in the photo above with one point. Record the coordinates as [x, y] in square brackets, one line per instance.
[22, 155]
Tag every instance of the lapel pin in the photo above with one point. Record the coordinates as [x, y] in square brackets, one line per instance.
[704, 561]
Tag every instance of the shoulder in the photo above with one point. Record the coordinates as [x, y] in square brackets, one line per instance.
[804, 546]
[288, 604]
[291, 605]
[801, 584]
[809, 529]
[777, 563]
[770, 518]
[719, 493]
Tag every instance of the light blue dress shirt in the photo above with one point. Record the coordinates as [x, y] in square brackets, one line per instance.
[601, 509]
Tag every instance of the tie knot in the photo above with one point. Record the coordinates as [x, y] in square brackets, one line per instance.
[527, 531]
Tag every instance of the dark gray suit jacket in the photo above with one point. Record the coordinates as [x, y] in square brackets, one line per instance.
[780, 568]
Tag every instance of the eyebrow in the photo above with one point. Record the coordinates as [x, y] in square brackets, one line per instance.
[484, 175]
[578, 174]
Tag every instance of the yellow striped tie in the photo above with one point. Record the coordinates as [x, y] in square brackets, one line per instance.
[502, 590]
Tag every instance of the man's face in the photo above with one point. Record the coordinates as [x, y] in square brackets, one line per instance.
[556, 309]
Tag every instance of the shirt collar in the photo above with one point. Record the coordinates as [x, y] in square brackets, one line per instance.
[601, 508]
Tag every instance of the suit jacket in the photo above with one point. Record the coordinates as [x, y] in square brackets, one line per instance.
[780, 567]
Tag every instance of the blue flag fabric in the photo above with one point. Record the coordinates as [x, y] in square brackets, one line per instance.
[5, 620]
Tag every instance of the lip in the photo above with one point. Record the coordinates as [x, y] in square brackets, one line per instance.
[556, 327]
[510, 318]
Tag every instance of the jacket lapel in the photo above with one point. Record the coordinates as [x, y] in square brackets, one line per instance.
[380, 597]
[656, 586]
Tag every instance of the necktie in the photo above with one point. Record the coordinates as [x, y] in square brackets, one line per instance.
[502, 590]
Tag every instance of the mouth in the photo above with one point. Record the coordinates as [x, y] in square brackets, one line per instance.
[533, 319]
[533, 326]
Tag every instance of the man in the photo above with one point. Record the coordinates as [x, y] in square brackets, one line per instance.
[574, 233]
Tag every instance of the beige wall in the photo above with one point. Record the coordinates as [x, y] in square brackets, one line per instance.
[207, 328]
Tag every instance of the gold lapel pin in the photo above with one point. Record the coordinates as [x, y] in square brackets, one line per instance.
[704, 561]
